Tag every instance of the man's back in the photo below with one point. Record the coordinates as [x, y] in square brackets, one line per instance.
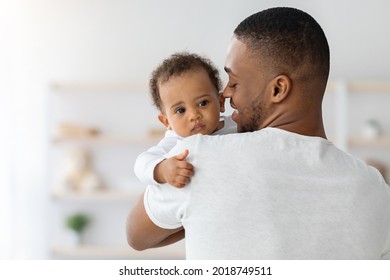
[272, 194]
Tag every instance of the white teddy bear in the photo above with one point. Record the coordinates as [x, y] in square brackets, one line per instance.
[79, 174]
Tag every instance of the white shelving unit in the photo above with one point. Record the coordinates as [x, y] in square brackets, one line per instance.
[355, 102]
[125, 116]
[344, 91]
[127, 125]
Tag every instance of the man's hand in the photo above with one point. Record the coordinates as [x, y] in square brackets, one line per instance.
[174, 171]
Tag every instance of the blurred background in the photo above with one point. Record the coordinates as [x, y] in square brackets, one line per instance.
[75, 109]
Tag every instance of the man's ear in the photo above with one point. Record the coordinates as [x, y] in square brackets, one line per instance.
[221, 102]
[281, 86]
[163, 119]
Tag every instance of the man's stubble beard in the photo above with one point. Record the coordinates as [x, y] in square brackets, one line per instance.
[255, 113]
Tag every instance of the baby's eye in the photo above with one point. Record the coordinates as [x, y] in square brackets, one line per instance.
[180, 111]
[203, 103]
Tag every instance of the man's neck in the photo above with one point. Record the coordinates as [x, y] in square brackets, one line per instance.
[305, 126]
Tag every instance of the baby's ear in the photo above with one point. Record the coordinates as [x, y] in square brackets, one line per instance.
[221, 102]
[163, 119]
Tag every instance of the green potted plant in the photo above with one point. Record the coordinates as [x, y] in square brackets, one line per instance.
[77, 223]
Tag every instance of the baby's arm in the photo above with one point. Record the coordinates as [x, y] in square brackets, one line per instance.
[147, 161]
[151, 165]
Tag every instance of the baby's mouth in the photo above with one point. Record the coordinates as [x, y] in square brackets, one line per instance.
[198, 127]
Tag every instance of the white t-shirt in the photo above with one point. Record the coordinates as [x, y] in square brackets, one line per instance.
[147, 161]
[272, 194]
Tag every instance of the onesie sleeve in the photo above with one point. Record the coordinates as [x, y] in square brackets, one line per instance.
[147, 161]
[165, 205]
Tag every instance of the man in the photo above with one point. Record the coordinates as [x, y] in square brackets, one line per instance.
[279, 189]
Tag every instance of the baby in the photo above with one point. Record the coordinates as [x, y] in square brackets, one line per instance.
[185, 88]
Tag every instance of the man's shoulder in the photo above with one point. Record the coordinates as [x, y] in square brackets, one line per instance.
[225, 142]
[186, 143]
[194, 141]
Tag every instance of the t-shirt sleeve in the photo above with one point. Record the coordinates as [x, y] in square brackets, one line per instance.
[386, 253]
[165, 204]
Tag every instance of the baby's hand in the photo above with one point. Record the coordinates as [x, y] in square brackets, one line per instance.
[174, 171]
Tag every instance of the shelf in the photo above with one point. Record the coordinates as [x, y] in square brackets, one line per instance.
[97, 86]
[359, 86]
[176, 251]
[109, 140]
[380, 142]
[369, 86]
[103, 196]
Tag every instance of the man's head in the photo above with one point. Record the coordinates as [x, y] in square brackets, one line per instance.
[278, 66]
[185, 88]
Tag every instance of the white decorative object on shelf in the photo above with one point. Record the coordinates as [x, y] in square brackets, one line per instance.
[371, 129]
[79, 174]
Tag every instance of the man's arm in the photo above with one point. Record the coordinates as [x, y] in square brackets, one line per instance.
[143, 234]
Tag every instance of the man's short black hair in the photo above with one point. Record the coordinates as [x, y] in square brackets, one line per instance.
[287, 40]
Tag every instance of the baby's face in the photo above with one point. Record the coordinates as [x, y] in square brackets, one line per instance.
[190, 103]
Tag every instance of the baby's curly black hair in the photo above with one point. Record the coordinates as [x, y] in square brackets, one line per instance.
[177, 64]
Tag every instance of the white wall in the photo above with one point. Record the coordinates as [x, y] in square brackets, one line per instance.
[44, 41]
[125, 39]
